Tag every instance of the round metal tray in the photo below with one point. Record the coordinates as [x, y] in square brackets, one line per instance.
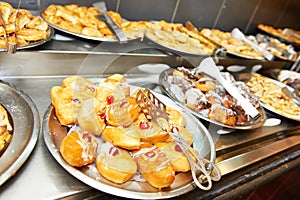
[53, 134]
[251, 124]
[26, 125]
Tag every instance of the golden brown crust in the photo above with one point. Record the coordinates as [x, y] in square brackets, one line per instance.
[155, 167]
[68, 98]
[115, 164]
[78, 149]
[122, 137]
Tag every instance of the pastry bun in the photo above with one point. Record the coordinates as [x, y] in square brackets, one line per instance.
[79, 148]
[155, 167]
[122, 113]
[127, 138]
[115, 164]
[91, 116]
[67, 99]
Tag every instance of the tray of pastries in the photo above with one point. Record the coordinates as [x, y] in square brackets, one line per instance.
[272, 97]
[96, 131]
[207, 99]
[285, 34]
[22, 28]
[86, 22]
[276, 47]
[19, 129]
[179, 38]
[233, 46]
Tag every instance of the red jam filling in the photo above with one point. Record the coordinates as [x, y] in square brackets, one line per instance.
[76, 100]
[87, 137]
[102, 115]
[113, 151]
[177, 148]
[144, 125]
[150, 154]
[123, 104]
[174, 129]
[92, 89]
[110, 99]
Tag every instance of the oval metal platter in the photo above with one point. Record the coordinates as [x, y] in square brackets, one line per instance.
[26, 125]
[53, 133]
[251, 124]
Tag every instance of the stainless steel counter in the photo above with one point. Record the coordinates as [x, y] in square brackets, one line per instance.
[243, 156]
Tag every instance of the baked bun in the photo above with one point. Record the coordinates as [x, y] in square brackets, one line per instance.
[115, 88]
[91, 117]
[122, 113]
[127, 138]
[78, 148]
[155, 167]
[150, 131]
[115, 164]
[68, 98]
[172, 150]
[187, 135]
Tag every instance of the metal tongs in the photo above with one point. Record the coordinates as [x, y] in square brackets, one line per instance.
[115, 28]
[203, 171]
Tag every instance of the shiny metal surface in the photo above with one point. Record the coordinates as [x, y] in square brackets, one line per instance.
[26, 127]
[36, 72]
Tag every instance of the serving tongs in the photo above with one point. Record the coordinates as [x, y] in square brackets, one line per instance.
[209, 67]
[265, 39]
[191, 27]
[101, 6]
[237, 34]
[203, 171]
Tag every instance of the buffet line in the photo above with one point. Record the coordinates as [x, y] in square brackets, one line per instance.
[157, 130]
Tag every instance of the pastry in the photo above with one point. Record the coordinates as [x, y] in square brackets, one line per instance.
[127, 138]
[122, 113]
[21, 24]
[68, 98]
[91, 117]
[173, 151]
[115, 164]
[150, 131]
[5, 130]
[155, 167]
[205, 95]
[79, 148]
[113, 89]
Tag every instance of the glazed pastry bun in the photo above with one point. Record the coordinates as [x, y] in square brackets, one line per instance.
[91, 117]
[127, 138]
[174, 153]
[155, 167]
[115, 88]
[115, 164]
[122, 113]
[79, 148]
[67, 99]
